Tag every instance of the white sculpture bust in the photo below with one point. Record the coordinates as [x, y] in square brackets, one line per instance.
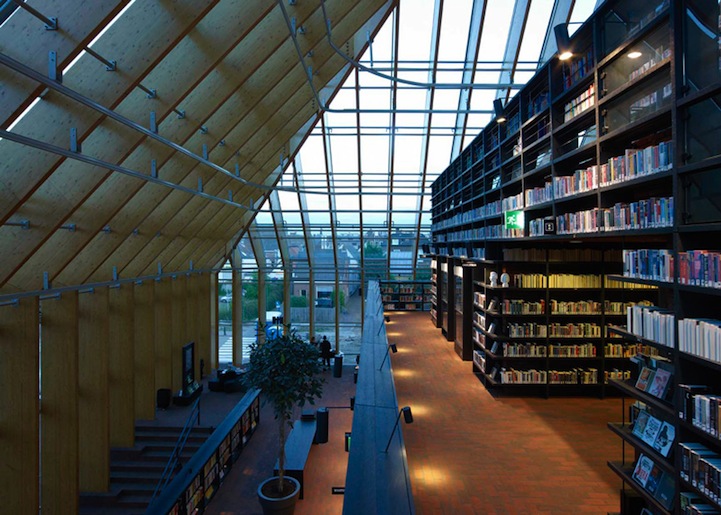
[505, 279]
[494, 279]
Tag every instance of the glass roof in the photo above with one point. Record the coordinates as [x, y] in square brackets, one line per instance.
[367, 166]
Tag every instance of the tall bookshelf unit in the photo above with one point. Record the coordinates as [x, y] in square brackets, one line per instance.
[614, 150]
[406, 295]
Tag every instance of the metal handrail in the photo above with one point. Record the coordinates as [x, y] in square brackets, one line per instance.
[174, 459]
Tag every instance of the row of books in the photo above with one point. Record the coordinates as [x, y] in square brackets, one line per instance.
[637, 162]
[700, 268]
[522, 307]
[582, 330]
[538, 103]
[539, 194]
[512, 203]
[577, 69]
[700, 337]
[575, 376]
[500, 231]
[652, 323]
[580, 307]
[649, 103]
[583, 102]
[704, 413]
[559, 255]
[628, 350]
[693, 503]
[701, 467]
[659, 54]
[645, 214]
[651, 264]
[579, 182]
[660, 484]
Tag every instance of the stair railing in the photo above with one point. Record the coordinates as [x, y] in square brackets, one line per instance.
[174, 460]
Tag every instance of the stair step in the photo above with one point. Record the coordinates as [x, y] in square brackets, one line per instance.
[142, 476]
[130, 466]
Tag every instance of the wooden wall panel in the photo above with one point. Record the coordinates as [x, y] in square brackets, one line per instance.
[19, 418]
[178, 329]
[205, 320]
[122, 366]
[93, 395]
[144, 356]
[163, 334]
[191, 318]
[59, 405]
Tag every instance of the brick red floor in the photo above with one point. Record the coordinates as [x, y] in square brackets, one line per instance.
[468, 452]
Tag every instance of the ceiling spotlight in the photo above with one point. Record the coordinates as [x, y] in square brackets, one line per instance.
[634, 55]
[498, 109]
[563, 41]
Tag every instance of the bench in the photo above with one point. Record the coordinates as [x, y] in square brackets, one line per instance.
[297, 447]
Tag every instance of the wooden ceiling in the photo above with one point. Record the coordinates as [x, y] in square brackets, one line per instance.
[232, 68]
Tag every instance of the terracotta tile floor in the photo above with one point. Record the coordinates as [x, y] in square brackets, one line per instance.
[468, 452]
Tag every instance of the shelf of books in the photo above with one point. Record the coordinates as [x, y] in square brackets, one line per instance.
[407, 295]
[617, 148]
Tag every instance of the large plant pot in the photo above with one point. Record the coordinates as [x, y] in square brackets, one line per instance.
[285, 505]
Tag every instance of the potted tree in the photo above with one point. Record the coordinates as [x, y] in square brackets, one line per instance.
[286, 369]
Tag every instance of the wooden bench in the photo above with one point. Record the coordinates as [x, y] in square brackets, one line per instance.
[297, 447]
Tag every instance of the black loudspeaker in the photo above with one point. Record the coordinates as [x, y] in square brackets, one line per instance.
[321, 428]
[163, 398]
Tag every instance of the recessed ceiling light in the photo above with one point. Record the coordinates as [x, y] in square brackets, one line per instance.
[634, 55]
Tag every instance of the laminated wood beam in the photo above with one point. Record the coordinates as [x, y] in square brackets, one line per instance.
[207, 312]
[122, 366]
[93, 392]
[191, 315]
[144, 355]
[163, 334]
[178, 329]
[59, 408]
[19, 421]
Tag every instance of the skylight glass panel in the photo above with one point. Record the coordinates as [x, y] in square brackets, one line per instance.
[454, 30]
[534, 33]
[407, 153]
[582, 9]
[344, 152]
[416, 23]
[374, 151]
[495, 31]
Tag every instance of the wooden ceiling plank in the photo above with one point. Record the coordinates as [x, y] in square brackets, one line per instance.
[154, 29]
[194, 63]
[261, 89]
[79, 22]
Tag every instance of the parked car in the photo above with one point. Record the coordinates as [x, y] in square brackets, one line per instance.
[226, 299]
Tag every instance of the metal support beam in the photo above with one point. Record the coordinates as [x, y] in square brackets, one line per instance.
[50, 23]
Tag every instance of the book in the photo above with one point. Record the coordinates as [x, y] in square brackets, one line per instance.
[640, 425]
[642, 471]
[664, 439]
[654, 478]
[651, 431]
[644, 379]
[665, 491]
[660, 383]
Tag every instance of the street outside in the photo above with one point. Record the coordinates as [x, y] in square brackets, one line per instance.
[350, 333]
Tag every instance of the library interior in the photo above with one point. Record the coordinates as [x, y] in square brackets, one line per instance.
[478, 236]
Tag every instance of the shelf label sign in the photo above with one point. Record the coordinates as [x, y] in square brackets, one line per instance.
[549, 226]
[514, 219]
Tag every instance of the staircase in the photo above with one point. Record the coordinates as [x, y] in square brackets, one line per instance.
[135, 471]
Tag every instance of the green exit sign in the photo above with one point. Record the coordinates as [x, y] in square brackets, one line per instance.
[514, 219]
